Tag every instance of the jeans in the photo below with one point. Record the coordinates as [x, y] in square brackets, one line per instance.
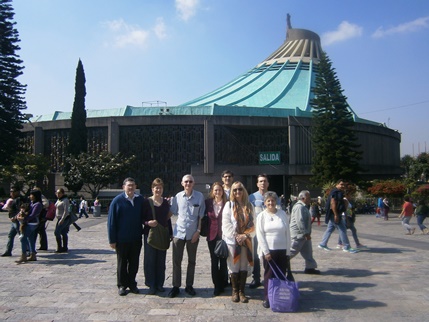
[420, 219]
[406, 223]
[354, 233]
[153, 265]
[341, 229]
[14, 230]
[28, 241]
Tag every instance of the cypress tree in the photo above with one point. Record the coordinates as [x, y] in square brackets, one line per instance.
[11, 90]
[336, 151]
[78, 141]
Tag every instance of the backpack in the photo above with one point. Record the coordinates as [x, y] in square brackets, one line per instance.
[50, 211]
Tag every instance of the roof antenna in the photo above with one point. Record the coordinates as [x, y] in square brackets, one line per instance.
[289, 25]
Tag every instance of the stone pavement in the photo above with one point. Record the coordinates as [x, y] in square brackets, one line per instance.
[387, 282]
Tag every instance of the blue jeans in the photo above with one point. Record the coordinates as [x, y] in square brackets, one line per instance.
[354, 233]
[14, 230]
[420, 219]
[341, 229]
[28, 241]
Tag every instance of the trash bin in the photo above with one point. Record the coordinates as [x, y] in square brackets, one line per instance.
[97, 211]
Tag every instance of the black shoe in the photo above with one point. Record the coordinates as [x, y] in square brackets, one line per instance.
[190, 290]
[174, 292]
[78, 228]
[134, 290]
[160, 289]
[266, 304]
[122, 291]
[152, 291]
[42, 248]
[5, 254]
[216, 292]
[255, 284]
[312, 271]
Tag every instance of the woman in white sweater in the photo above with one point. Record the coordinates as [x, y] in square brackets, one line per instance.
[238, 229]
[272, 231]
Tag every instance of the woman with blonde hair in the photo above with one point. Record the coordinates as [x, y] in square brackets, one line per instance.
[238, 229]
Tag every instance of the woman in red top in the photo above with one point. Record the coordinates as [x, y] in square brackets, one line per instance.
[214, 206]
[406, 214]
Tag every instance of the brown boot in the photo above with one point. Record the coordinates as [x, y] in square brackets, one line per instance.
[32, 257]
[242, 283]
[234, 282]
[22, 260]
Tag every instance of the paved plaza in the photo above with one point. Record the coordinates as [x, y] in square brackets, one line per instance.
[387, 282]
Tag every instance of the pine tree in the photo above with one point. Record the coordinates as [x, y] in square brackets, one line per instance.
[78, 134]
[337, 153]
[11, 90]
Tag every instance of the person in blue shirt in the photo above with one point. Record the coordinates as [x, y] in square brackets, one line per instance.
[125, 230]
[189, 206]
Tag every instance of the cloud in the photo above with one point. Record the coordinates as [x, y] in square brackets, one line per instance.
[345, 31]
[187, 8]
[412, 26]
[127, 35]
[160, 29]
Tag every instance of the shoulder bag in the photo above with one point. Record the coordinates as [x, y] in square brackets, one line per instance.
[221, 249]
[159, 236]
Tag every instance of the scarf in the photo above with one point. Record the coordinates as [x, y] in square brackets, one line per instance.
[245, 225]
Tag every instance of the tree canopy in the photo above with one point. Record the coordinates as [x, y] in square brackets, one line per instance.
[11, 90]
[336, 151]
[96, 172]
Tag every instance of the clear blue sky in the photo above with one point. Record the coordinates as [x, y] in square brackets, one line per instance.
[135, 51]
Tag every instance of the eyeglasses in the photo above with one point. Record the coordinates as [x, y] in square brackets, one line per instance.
[188, 181]
[237, 189]
[227, 177]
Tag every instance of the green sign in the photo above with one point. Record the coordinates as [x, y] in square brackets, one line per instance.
[269, 157]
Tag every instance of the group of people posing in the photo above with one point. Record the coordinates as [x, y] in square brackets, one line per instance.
[254, 228]
[28, 218]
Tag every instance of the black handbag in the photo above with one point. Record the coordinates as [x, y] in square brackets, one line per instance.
[204, 230]
[221, 249]
[159, 236]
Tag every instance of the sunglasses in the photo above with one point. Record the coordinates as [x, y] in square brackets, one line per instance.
[188, 181]
[237, 189]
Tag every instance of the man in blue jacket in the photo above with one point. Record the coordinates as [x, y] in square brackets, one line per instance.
[125, 230]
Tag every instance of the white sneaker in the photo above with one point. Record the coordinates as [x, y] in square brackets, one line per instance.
[339, 246]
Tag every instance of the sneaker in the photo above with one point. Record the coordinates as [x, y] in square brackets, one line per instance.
[339, 246]
[312, 271]
[413, 230]
[350, 250]
[324, 247]
[360, 246]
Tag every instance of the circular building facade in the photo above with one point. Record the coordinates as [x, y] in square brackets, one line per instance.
[260, 122]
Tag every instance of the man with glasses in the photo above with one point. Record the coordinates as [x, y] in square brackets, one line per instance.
[189, 206]
[13, 210]
[227, 179]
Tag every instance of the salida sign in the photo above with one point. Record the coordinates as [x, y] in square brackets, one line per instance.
[269, 157]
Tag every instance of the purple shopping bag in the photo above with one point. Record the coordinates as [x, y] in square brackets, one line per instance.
[282, 294]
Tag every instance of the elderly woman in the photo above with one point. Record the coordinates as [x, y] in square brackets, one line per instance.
[63, 222]
[238, 230]
[28, 241]
[154, 259]
[272, 231]
[214, 207]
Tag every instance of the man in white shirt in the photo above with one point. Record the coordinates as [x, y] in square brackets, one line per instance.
[189, 206]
